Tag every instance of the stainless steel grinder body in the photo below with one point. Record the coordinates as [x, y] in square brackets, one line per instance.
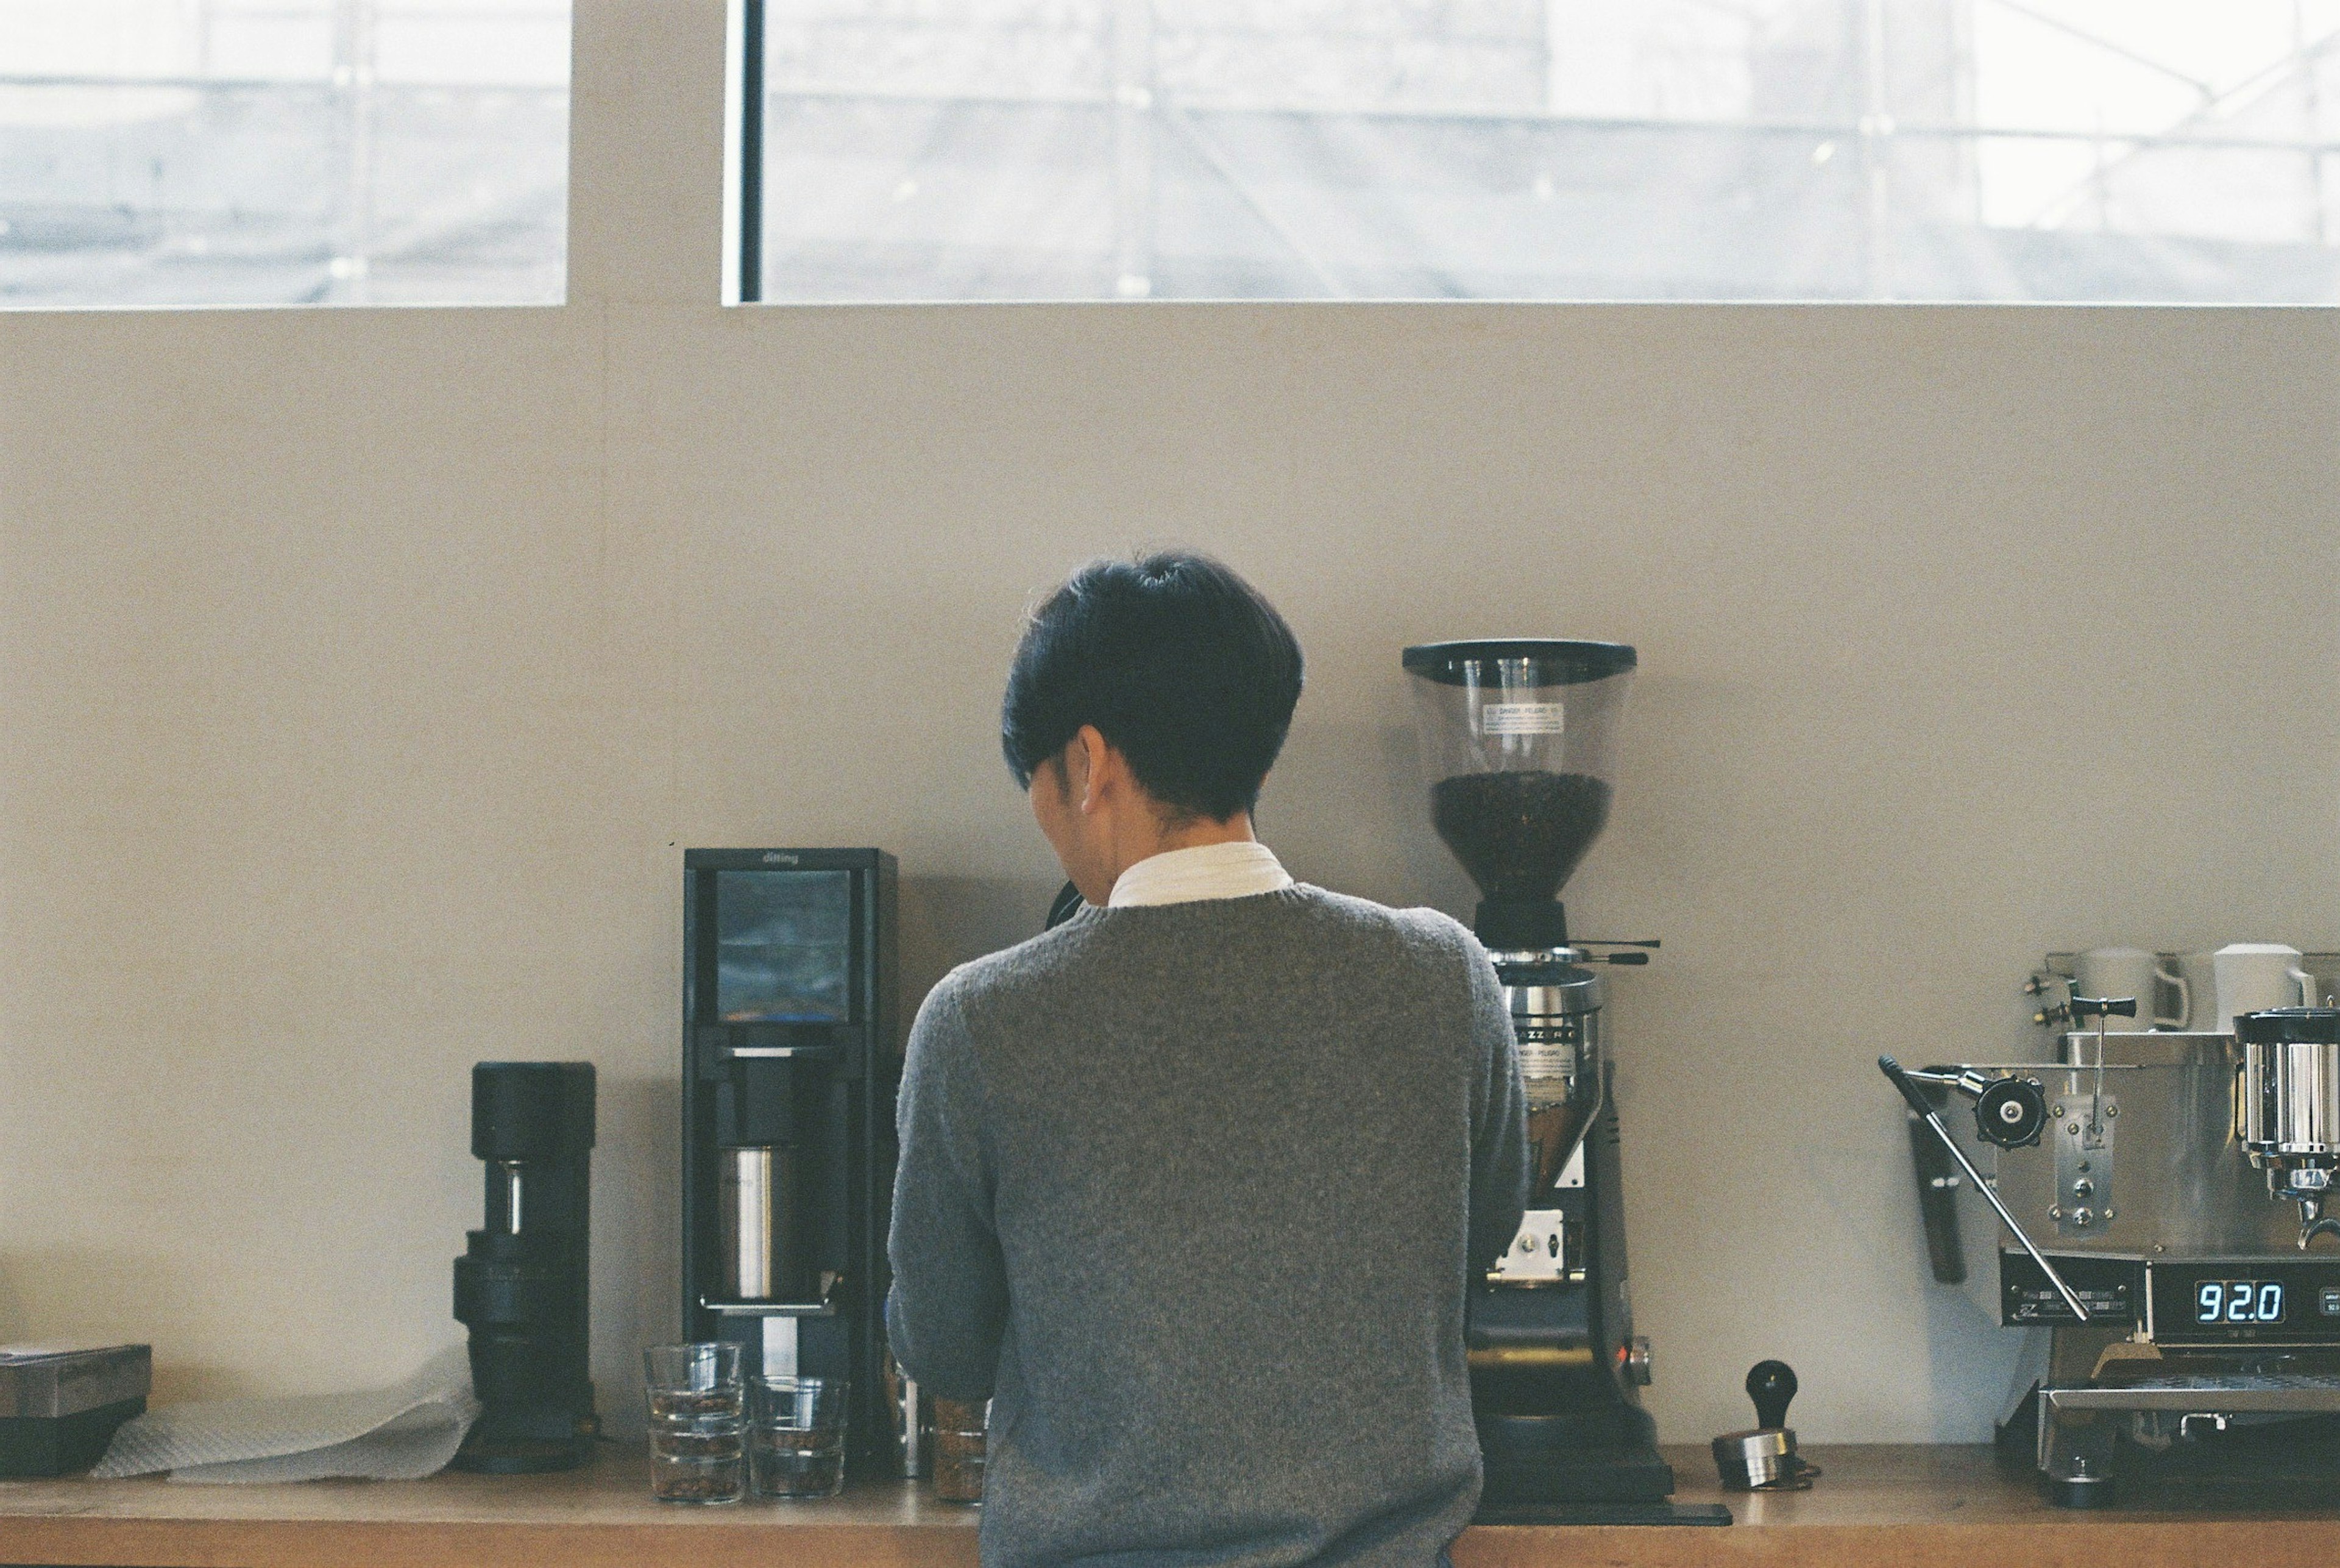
[1555, 1010]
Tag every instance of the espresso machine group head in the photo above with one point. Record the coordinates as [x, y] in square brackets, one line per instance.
[2287, 1109]
[1519, 737]
[521, 1286]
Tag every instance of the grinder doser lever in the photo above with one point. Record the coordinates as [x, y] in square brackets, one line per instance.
[1926, 1111]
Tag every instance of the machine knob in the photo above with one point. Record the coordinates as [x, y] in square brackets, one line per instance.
[1636, 1358]
[2011, 1113]
[1771, 1384]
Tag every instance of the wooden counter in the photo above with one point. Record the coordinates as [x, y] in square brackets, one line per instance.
[1875, 1507]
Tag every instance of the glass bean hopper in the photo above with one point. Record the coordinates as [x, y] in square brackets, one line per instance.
[1520, 737]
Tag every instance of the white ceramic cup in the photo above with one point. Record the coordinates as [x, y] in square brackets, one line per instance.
[2116, 972]
[2200, 973]
[2253, 976]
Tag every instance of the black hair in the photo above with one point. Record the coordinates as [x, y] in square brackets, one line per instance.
[1184, 668]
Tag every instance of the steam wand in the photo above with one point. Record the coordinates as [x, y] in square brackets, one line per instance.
[1924, 1107]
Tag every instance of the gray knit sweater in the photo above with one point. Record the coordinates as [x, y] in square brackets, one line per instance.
[1193, 1191]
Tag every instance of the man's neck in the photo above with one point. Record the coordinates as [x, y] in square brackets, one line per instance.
[1188, 833]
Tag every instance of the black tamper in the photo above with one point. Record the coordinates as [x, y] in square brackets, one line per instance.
[1765, 1459]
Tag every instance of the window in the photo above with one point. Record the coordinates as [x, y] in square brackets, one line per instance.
[2076, 150]
[283, 151]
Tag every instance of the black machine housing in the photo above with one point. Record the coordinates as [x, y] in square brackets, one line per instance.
[2164, 1296]
[1555, 1364]
[2199, 1380]
[1560, 1426]
[790, 1040]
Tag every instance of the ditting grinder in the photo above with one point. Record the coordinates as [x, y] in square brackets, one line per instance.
[791, 1058]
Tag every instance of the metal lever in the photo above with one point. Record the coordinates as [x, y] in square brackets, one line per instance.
[2103, 1008]
[1924, 1110]
[1641, 956]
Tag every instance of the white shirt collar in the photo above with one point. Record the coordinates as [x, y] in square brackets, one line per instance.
[1236, 870]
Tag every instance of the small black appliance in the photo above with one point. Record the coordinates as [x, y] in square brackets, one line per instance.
[522, 1285]
[791, 1061]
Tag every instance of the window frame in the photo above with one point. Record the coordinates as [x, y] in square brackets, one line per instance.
[746, 195]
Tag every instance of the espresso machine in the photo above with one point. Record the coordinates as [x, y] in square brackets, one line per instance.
[791, 1061]
[1520, 737]
[2159, 1201]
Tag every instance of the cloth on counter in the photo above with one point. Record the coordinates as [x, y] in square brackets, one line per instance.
[402, 1433]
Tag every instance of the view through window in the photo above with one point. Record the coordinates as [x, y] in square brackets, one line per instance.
[283, 151]
[2076, 150]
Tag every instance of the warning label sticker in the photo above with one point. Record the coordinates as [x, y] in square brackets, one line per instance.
[1522, 719]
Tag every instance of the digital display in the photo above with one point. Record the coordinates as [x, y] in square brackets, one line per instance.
[783, 947]
[2239, 1301]
[2275, 1301]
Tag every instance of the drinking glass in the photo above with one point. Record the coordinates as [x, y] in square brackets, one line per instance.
[698, 1422]
[961, 1437]
[798, 1436]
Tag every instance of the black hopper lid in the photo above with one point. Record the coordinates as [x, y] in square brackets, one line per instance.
[2290, 1026]
[1551, 661]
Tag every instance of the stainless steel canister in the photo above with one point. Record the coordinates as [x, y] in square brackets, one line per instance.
[758, 1205]
[1556, 1019]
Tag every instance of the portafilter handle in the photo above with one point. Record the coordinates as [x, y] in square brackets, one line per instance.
[1771, 1384]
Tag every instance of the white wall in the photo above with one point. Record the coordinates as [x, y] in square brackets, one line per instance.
[362, 674]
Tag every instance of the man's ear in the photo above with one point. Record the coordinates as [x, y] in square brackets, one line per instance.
[1087, 760]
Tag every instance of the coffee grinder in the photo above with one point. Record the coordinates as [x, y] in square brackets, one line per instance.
[791, 1062]
[522, 1285]
[1520, 736]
